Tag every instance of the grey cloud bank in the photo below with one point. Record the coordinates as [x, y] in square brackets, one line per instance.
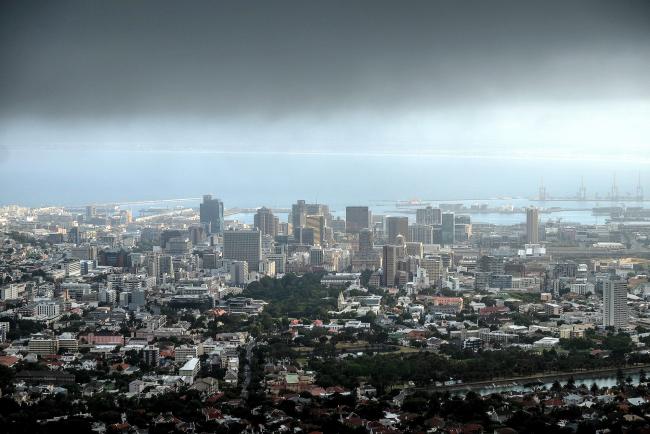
[362, 76]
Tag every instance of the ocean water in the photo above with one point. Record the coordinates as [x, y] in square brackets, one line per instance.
[77, 178]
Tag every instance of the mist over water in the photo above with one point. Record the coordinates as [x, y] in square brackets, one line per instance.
[49, 177]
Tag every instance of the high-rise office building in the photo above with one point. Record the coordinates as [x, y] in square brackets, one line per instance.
[153, 266]
[168, 234]
[304, 236]
[366, 242]
[615, 312]
[151, 355]
[300, 210]
[266, 222]
[463, 228]
[338, 225]
[317, 224]
[243, 246]
[239, 272]
[532, 225]
[178, 246]
[138, 299]
[421, 233]
[74, 235]
[415, 249]
[396, 226]
[319, 209]
[298, 217]
[210, 260]
[434, 268]
[166, 264]
[357, 218]
[428, 216]
[316, 256]
[283, 228]
[490, 264]
[448, 228]
[211, 213]
[197, 234]
[447, 259]
[390, 257]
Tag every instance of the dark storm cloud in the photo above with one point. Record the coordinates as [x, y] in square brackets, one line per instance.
[97, 59]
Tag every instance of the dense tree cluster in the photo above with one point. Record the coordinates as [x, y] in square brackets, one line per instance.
[423, 368]
[293, 296]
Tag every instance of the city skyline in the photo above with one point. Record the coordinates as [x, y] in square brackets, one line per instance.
[354, 217]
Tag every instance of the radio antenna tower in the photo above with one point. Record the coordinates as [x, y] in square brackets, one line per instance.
[582, 191]
[614, 193]
[542, 190]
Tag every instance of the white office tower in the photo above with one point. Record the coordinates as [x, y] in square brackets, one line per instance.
[615, 303]
[239, 272]
[108, 296]
[532, 225]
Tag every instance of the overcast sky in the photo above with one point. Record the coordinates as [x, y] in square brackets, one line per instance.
[523, 78]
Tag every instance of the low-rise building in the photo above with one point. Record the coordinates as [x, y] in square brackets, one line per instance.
[190, 369]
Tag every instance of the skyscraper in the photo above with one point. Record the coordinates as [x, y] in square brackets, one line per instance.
[422, 233]
[532, 225]
[211, 213]
[428, 216]
[389, 265]
[319, 209]
[239, 272]
[317, 224]
[91, 212]
[153, 266]
[448, 228]
[615, 312]
[266, 222]
[166, 265]
[243, 246]
[357, 218]
[396, 226]
[158, 265]
[73, 235]
[434, 267]
[298, 216]
[366, 242]
[197, 234]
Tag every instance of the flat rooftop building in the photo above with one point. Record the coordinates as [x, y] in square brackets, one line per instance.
[190, 369]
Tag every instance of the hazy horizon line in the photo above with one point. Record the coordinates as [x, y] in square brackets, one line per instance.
[466, 153]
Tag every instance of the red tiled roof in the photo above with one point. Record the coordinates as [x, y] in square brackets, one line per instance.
[216, 397]
[8, 361]
[212, 413]
[335, 389]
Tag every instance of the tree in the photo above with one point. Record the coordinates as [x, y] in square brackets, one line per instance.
[6, 378]
[620, 377]
[594, 388]
[556, 386]
[365, 277]
[570, 384]
[619, 344]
